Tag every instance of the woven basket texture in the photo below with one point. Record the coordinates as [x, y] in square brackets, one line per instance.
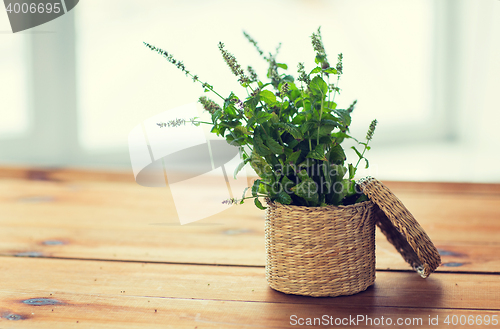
[320, 251]
[401, 228]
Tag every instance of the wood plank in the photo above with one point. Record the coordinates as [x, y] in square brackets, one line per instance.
[118, 220]
[89, 218]
[42, 277]
[461, 257]
[444, 187]
[469, 218]
[65, 174]
[101, 294]
[92, 311]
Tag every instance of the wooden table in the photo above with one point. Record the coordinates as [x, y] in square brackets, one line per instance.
[96, 250]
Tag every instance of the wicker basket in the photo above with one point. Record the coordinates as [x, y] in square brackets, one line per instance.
[330, 251]
[320, 251]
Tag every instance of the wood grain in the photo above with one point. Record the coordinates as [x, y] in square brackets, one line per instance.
[121, 294]
[93, 218]
[94, 311]
[392, 289]
[96, 250]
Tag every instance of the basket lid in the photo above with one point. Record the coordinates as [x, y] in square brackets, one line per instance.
[401, 228]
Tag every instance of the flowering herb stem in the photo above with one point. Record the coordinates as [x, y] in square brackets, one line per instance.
[294, 133]
[181, 67]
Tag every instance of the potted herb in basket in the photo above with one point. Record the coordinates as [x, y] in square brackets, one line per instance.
[319, 225]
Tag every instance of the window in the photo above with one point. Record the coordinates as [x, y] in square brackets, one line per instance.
[13, 81]
[387, 57]
[416, 66]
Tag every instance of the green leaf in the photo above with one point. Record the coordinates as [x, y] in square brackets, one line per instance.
[361, 198]
[244, 192]
[328, 122]
[293, 157]
[287, 184]
[318, 86]
[228, 101]
[349, 187]
[208, 88]
[307, 189]
[341, 171]
[306, 127]
[317, 69]
[324, 130]
[263, 188]
[331, 70]
[319, 59]
[293, 143]
[294, 94]
[367, 163]
[235, 142]
[273, 145]
[241, 129]
[216, 115]
[288, 78]
[299, 119]
[283, 198]
[330, 105]
[291, 129]
[240, 166]
[274, 118]
[268, 97]
[340, 136]
[230, 124]
[357, 152]
[261, 167]
[336, 155]
[317, 153]
[326, 173]
[303, 175]
[271, 159]
[252, 102]
[259, 204]
[328, 140]
[308, 107]
[262, 116]
[352, 171]
[231, 111]
[344, 117]
[255, 187]
[282, 65]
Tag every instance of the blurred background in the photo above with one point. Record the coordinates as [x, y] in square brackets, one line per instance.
[72, 89]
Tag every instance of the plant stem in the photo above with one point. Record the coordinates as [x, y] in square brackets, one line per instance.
[208, 123]
[362, 155]
[335, 90]
[212, 90]
[319, 124]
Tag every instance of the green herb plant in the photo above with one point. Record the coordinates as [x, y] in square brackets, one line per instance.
[289, 130]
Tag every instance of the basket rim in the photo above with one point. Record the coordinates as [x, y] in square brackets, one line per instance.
[327, 207]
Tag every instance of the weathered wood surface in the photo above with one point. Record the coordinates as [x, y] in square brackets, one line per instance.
[96, 250]
[108, 278]
[105, 216]
[100, 293]
[95, 311]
